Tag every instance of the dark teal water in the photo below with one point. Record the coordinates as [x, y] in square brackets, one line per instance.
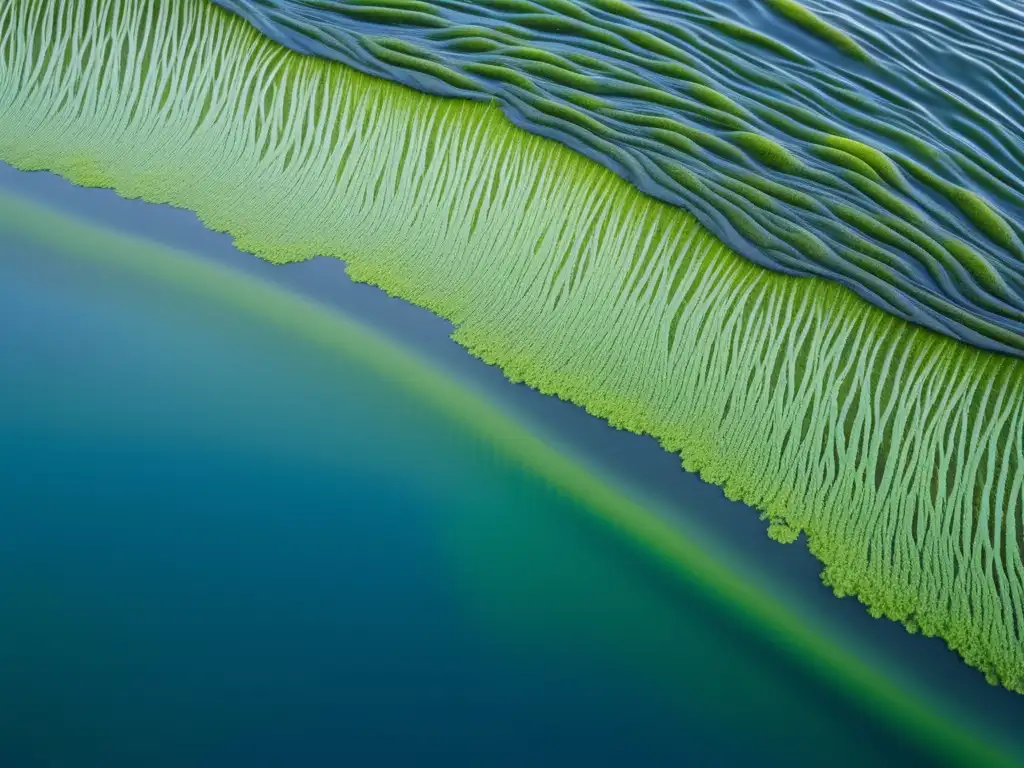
[231, 538]
[880, 147]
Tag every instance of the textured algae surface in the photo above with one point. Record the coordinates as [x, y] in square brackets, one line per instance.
[898, 451]
[877, 144]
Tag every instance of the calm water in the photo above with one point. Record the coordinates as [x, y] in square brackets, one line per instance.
[231, 535]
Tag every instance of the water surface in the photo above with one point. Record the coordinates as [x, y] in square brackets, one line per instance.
[241, 530]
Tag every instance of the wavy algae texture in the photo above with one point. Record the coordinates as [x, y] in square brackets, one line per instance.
[899, 452]
[876, 144]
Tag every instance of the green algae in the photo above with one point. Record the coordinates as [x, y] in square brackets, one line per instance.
[385, 51]
[619, 8]
[873, 158]
[977, 209]
[469, 31]
[899, 453]
[473, 45]
[781, 192]
[561, 69]
[400, 16]
[558, 73]
[569, 115]
[715, 99]
[415, 6]
[530, 54]
[984, 216]
[542, 22]
[748, 35]
[766, 151]
[880, 194]
[799, 115]
[799, 14]
[844, 159]
[505, 74]
[978, 267]
[515, 6]
[674, 133]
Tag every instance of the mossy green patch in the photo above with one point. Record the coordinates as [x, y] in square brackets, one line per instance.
[875, 159]
[505, 74]
[766, 151]
[845, 159]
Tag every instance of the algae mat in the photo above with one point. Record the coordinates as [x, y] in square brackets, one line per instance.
[879, 145]
[899, 452]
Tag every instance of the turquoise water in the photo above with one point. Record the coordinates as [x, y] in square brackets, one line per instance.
[874, 143]
[233, 534]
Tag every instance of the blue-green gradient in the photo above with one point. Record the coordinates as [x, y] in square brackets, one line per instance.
[239, 530]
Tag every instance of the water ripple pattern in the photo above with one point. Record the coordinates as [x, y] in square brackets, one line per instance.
[874, 143]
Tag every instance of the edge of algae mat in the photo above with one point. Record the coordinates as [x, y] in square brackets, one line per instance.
[623, 513]
[794, 395]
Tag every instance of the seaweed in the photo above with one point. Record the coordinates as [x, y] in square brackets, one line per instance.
[601, 76]
[810, 21]
[766, 151]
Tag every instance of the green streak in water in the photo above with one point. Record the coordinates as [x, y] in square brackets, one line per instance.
[617, 510]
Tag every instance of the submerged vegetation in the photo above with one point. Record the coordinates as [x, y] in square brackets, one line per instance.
[898, 451]
[691, 103]
[814, 24]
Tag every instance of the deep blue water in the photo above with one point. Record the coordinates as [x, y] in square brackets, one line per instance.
[789, 574]
[225, 544]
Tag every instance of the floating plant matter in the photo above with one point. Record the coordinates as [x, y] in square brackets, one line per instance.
[867, 165]
[897, 450]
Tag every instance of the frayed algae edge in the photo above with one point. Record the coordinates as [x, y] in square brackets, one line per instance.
[710, 467]
[659, 536]
[267, 156]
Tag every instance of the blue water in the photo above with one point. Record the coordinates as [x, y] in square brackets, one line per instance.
[223, 543]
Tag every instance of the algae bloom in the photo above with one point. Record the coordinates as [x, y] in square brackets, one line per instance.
[822, 315]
